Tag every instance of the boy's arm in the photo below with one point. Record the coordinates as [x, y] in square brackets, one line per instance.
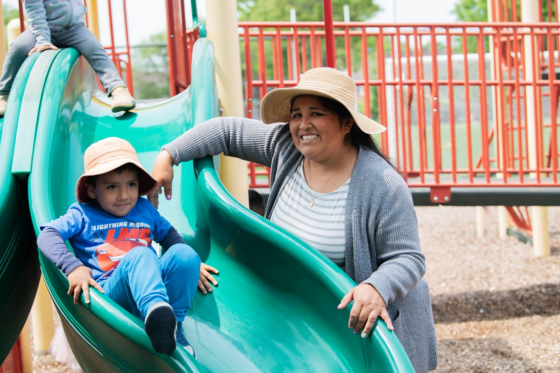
[173, 238]
[51, 244]
[79, 276]
[37, 17]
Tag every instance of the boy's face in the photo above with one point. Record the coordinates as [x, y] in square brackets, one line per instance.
[116, 193]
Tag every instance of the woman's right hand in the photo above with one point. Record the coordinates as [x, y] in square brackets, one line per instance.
[163, 173]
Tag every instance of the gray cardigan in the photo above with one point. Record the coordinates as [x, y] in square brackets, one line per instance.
[382, 244]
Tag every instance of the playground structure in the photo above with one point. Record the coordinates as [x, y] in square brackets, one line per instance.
[55, 111]
[464, 135]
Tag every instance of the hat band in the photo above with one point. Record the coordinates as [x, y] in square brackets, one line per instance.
[332, 90]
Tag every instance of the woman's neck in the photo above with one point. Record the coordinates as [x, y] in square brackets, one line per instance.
[334, 162]
[325, 176]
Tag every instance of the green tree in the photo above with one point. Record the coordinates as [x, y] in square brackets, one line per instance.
[471, 10]
[9, 13]
[279, 10]
[150, 69]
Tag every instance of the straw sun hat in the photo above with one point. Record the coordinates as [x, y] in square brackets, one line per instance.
[107, 155]
[324, 82]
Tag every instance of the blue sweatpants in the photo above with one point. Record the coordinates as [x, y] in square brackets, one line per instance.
[79, 37]
[142, 279]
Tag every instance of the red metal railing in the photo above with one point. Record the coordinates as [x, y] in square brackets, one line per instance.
[180, 44]
[120, 56]
[455, 97]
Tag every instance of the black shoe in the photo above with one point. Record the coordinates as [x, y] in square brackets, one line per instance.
[160, 327]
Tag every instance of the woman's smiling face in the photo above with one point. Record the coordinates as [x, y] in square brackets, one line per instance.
[317, 132]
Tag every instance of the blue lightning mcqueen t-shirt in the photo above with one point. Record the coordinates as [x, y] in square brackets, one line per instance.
[100, 240]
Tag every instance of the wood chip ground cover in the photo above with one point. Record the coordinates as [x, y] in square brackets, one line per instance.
[496, 305]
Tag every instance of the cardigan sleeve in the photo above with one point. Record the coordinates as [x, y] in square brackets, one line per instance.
[243, 138]
[400, 262]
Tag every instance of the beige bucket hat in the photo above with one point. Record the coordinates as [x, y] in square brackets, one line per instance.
[321, 81]
[107, 155]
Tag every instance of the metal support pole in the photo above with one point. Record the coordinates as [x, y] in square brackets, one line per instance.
[503, 222]
[42, 318]
[481, 222]
[329, 33]
[221, 19]
[93, 17]
[541, 237]
[530, 14]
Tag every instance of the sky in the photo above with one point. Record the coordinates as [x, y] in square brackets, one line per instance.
[147, 17]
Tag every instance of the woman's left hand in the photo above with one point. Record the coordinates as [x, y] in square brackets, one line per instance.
[205, 278]
[368, 306]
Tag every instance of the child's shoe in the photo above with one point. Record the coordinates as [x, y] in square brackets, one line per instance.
[3, 104]
[122, 100]
[183, 341]
[160, 327]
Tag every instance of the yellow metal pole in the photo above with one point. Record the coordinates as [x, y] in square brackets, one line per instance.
[25, 339]
[221, 19]
[541, 239]
[14, 30]
[93, 17]
[2, 38]
[42, 318]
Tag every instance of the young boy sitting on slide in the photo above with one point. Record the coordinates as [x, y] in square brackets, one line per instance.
[111, 230]
[61, 23]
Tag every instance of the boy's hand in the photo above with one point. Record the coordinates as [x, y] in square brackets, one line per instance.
[40, 48]
[80, 279]
[205, 278]
[163, 173]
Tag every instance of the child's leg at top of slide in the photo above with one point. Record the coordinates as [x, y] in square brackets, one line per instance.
[81, 38]
[17, 53]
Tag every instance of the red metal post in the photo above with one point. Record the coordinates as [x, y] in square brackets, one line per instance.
[329, 33]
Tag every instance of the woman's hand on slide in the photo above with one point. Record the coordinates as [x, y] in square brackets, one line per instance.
[80, 279]
[205, 278]
[368, 306]
[163, 173]
[42, 47]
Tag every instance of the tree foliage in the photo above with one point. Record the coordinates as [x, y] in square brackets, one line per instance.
[311, 10]
[477, 10]
[150, 68]
[471, 10]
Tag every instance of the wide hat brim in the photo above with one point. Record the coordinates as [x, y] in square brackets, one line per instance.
[147, 184]
[276, 107]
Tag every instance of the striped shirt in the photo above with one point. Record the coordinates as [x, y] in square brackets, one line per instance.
[320, 225]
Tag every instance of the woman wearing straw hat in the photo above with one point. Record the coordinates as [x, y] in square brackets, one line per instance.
[332, 187]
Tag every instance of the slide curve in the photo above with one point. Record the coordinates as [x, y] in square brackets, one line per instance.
[275, 308]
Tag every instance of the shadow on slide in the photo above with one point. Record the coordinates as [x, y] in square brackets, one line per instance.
[275, 309]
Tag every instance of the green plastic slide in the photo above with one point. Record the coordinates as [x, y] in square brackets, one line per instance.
[275, 309]
[19, 267]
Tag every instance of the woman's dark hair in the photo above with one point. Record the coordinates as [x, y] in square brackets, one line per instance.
[92, 180]
[356, 136]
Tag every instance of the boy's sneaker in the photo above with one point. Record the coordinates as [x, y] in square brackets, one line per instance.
[183, 341]
[160, 327]
[122, 100]
[3, 104]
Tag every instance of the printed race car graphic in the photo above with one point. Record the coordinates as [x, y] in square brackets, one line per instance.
[111, 253]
